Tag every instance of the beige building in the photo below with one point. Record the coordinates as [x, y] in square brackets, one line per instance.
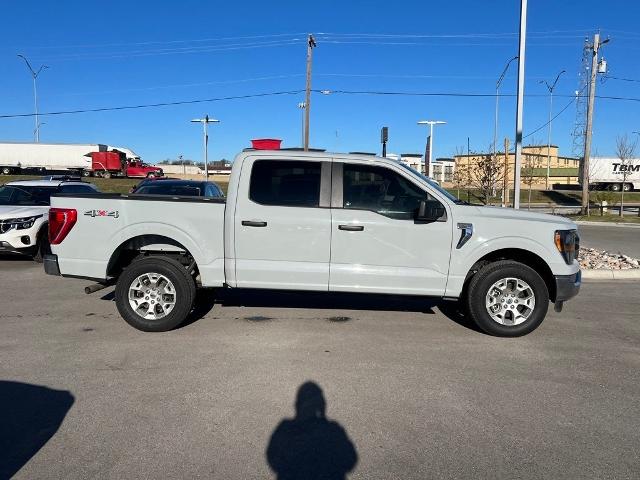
[562, 169]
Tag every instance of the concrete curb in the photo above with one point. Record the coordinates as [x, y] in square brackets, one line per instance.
[610, 274]
[608, 224]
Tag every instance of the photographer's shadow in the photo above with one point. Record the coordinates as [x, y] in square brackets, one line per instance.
[310, 446]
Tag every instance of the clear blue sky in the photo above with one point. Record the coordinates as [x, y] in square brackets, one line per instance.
[116, 53]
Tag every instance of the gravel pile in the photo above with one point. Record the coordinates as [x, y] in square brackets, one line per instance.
[593, 259]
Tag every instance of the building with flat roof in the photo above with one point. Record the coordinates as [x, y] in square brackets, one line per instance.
[562, 169]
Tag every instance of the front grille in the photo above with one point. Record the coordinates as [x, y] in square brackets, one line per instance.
[5, 227]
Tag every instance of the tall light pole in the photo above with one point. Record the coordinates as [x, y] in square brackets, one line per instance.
[302, 106]
[205, 121]
[34, 75]
[427, 160]
[495, 122]
[550, 88]
[519, 103]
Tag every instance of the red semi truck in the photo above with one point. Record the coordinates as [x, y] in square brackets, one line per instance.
[115, 163]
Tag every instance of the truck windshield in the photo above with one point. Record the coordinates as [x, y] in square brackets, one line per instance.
[433, 184]
[25, 195]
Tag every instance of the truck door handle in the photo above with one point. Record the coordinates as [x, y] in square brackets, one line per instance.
[253, 223]
[351, 228]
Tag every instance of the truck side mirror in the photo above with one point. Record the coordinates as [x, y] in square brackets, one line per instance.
[430, 211]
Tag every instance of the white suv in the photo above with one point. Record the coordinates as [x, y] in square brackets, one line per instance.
[24, 212]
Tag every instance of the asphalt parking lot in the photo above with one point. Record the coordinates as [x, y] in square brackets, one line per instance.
[612, 238]
[409, 391]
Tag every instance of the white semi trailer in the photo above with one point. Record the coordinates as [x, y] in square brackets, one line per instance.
[16, 157]
[614, 174]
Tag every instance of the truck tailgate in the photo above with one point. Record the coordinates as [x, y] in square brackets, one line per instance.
[106, 222]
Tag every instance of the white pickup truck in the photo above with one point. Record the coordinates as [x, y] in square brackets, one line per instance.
[323, 222]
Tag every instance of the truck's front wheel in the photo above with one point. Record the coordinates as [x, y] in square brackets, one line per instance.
[155, 294]
[507, 299]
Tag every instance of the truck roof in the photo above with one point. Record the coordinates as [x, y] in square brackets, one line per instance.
[46, 183]
[41, 144]
[276, 154]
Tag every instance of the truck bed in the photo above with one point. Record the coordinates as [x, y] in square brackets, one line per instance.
[108, 222]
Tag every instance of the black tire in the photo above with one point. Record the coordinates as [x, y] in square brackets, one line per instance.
[151, 175]
[627, 187]
[183, 283]
[6, 171]
[482, 281]
[615, 187]
[106, 174]
[87, 173]
[42, 247]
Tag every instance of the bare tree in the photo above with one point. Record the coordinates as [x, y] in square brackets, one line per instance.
[487, 172]
[625, 150]
[461, 173]
[529, 171]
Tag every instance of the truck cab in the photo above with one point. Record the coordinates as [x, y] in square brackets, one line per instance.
[137, 168]
[321, 222]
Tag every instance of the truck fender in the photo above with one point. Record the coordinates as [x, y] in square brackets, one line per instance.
[527, 248]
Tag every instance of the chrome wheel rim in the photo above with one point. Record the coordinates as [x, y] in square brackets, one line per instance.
[152, 296]
[510, 301]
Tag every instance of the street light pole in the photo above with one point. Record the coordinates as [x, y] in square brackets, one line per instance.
[550, 88]
[427, 160]
[205, 122]
[34, 75]
[519, 103]
[495, 121]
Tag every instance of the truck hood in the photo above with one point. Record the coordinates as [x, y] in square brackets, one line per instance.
[523, 215]
[15, 211]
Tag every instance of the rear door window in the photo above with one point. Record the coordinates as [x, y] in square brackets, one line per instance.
[285, 183]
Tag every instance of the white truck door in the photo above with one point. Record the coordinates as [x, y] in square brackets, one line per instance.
[376, 243]
[283, 224]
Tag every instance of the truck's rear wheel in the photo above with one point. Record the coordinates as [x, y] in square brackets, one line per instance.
[86, 173]
[6, 170]
[627, 187]
[615, 187]
[155, 294]
[507, 299]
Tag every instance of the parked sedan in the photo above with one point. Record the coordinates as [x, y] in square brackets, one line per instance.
[173, 187]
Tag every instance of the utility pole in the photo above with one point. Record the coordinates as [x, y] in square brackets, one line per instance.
[550, 88]
[519, 104]
[302, 107]
[311, 44]
[205, 122]
[505, 180]
[588, 130]
[34, 75]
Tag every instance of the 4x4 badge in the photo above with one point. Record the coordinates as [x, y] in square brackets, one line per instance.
[102, 213]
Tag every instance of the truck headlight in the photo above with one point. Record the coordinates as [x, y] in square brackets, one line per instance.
[23, 223]
[568, 244]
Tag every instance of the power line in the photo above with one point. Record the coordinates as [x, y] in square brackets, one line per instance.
[552, 118]
[172, 51]
[153, 105]
[607, 77]
[295, 92]
[166, 42]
